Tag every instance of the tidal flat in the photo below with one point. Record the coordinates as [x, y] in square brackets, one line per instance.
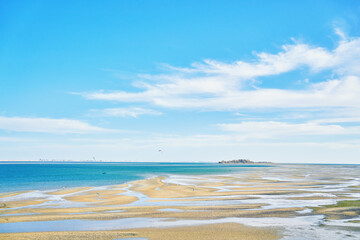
[279, 202]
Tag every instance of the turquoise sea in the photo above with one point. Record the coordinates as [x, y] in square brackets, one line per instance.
[46, 176]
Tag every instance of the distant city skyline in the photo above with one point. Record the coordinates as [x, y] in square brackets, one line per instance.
[201, 81]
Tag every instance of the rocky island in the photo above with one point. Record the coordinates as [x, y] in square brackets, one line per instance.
[242, 161]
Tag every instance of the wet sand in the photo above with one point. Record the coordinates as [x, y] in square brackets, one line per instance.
[227, 231]
[268, 194]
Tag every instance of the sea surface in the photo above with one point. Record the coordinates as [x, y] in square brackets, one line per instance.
[46, 176]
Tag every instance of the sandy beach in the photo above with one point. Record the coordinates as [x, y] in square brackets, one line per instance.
[281, 202]
[180, 120]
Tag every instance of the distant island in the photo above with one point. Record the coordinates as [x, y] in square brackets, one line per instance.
[242, 161]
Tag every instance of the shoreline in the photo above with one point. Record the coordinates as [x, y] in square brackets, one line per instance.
[227, 231]
[267, 197]
[101, 174]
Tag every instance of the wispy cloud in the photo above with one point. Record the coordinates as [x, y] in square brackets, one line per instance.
[125, 112]
[215, 85]
[47, 125]
[271, 129]
[17, 139]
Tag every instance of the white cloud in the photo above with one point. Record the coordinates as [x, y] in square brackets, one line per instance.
[47, 125]
[215, 85]
[339, 120]
[333, 93]
[340, 33]
[204, 148]
[16, 139]
[125, 112]
[270, 129]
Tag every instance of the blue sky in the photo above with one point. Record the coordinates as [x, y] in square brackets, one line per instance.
[201, 80]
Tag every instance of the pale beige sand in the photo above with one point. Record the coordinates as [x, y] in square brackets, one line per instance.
[100, 202]
[225, 231]
[15, 204]
[200, 213]
[201, 199]
[69, 190]
[11, 194]
[110, 203]
[155, 188]
[335, 213]
[103, 197]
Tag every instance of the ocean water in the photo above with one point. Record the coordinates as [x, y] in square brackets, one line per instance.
[47, 176]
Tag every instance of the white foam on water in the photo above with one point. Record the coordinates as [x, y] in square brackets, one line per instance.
[305, 211]
[345, 222]
[170, 210]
